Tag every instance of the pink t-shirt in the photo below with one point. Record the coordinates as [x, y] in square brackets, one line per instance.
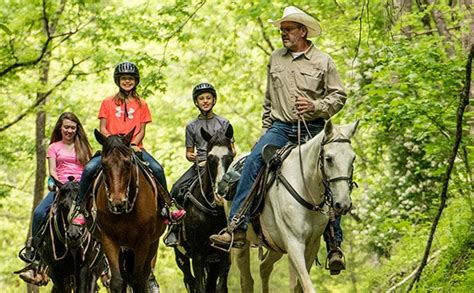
[66, 162]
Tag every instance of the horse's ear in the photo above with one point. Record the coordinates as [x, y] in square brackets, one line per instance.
[229, 132]
[207, 137]
[350, 129]
[127, 139]
[102, 139]
[328, 128]
[58, 183]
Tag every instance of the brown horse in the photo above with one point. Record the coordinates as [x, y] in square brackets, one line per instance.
[125, 210]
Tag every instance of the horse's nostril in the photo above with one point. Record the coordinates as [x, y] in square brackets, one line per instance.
[337, 206]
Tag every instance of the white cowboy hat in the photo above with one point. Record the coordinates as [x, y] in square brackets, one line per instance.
[292, 13]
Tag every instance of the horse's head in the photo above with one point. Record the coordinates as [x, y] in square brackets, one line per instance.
[219, 154]
[336, 159]
[65, 194]
[117, 165]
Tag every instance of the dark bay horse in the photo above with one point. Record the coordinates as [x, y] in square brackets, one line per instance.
[204, 217]
[74, 265]
[125, 210]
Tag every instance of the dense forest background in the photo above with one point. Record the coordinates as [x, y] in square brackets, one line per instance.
[406, 65]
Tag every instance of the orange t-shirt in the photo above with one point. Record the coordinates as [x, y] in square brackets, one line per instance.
[122, 118]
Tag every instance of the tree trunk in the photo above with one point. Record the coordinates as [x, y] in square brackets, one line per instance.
[467, 41]
[49, 28]
[403, 7]
[442, 28]
[40, 149]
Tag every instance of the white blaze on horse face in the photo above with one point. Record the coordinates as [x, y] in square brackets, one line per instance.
[219, 152]
[338, 163]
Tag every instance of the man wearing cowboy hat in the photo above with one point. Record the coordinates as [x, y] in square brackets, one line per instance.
[302, 83]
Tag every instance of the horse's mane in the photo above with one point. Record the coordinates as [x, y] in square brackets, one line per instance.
[116, 142]
[336, 134]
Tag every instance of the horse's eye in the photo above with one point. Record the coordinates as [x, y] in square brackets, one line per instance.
[212, 159]
[228, 160]
[328, 158]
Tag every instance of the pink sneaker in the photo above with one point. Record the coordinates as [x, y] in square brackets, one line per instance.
[177, 215]
[79, 220]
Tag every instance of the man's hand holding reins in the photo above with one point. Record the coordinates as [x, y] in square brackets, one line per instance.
[303, 105]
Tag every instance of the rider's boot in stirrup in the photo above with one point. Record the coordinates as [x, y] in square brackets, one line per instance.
[172, 238]
[28, 253]
[153, 284]
[336, 261]
[226, 238]
[173, 217]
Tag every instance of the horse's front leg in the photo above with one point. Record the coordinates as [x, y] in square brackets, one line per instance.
[143, 262]
[83, 279]
[296, 256]
[224, 267]
[199, 275]
[266, 268]
[242, 258]
[184, 265]
[112, 252]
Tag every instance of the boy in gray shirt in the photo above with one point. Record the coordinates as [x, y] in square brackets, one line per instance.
[204, 98]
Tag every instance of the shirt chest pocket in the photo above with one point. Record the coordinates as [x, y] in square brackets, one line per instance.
[276, 73]
[311, 78]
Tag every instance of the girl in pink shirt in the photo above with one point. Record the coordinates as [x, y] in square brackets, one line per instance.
[68, 152]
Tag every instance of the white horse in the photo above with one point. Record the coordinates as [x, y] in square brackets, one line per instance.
[320, 171]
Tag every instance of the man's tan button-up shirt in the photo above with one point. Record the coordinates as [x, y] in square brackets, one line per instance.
[313, 75]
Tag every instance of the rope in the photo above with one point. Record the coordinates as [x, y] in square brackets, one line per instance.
[51, 231]
[301, 118]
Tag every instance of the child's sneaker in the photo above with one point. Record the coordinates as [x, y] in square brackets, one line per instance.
[79, 220]
[178, 215]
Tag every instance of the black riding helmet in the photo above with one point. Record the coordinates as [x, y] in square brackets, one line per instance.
[126, 68]
[204, 88]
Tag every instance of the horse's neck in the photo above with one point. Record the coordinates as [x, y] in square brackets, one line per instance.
[205, 182]
[305, 171]
[58, 222]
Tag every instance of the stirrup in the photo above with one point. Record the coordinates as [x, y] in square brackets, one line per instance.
[231, 243]
[153, 285]
[31, 255]
[343, 259]
[171, 238]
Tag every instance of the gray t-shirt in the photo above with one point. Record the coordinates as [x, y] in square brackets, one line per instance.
[193, 132]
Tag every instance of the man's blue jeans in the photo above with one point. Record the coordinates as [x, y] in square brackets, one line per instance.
[93, 165]
[278, 134]
[41, 212]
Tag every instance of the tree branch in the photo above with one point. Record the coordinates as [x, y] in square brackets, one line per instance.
[44, 47]
[176, 31]
[265, 37]
[392, 289]
[463, 102]
[43, 97]
[34, 61]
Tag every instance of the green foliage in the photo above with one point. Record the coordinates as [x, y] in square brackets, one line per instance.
[404, 89]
